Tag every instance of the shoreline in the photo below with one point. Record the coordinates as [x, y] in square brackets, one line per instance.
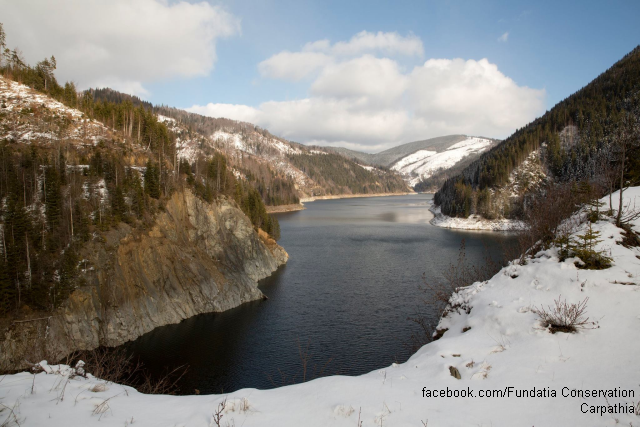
[474, 222]
[353, 196]
[285, 208]
[300, 206]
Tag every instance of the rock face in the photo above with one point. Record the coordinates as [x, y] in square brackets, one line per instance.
[196, 258]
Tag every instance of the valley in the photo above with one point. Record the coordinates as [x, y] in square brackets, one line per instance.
[217, 201]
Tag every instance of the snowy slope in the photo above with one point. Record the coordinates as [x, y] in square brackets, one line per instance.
[265, 149]
[493, 339]
[423, 163]
[28, 116]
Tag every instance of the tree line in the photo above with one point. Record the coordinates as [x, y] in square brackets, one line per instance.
[57, 196]
[579, 139]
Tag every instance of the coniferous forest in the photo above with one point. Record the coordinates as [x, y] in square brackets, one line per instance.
[116, 163]
[584, 137]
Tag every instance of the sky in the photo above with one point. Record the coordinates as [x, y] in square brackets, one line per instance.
[366, 75]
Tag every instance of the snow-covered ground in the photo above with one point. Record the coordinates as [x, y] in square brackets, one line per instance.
[424, 163]
[474, 222]
[24, 109]
[513, 371]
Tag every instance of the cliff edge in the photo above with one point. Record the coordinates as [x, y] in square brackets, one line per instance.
[197, 257]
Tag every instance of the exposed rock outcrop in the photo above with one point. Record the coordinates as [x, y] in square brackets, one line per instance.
[196, 258]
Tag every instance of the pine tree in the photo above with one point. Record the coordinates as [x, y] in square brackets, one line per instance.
[53, 199]
[152, 180]
[584, 248]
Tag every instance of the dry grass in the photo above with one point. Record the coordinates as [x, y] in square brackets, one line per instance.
[563, 316]
[438, 294]
[116, 366]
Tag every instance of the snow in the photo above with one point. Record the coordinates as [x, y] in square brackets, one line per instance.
[473, 222]
[165, 119]
[505, 351]
[424, 163]
[369, 168]
[19, 102]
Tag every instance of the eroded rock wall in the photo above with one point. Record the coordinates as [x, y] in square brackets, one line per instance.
[196, 258]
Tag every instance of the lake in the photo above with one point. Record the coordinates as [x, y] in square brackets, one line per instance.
[341, 303]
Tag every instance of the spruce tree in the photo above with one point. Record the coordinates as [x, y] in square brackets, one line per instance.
[152, 180]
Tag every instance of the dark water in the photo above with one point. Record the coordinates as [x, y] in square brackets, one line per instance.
[344, 297]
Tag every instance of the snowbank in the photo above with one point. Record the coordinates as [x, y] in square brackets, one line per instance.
[499, 348]
[474, 222]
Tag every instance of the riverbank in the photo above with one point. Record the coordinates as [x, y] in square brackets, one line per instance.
[473, 222]
[300, 206]
[285, 208]
[496, 358]
[353, 196]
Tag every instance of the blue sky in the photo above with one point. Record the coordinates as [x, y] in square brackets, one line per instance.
[557, 45]
[551, 47]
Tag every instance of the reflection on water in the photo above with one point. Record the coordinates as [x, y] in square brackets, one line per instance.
[351, 282]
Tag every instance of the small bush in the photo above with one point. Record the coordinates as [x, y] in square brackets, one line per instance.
[564, 317]
[584, 248]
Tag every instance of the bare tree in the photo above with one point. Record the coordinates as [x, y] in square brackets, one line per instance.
[626, 141]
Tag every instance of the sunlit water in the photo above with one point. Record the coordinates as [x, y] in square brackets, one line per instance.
[344, 298]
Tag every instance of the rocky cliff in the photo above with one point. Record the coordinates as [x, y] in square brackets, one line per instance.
[196, 258]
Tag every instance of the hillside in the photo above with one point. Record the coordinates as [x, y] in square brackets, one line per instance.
[592, 135]
[504, 363]
[282, 171]
[424, 160]
[105, 235]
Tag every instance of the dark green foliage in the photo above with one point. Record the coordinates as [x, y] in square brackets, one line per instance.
[152, 180]
[584, 248]
[596, 112]
[53, 197]
[56, 197]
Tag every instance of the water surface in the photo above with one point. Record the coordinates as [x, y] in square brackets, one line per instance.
[352, 280]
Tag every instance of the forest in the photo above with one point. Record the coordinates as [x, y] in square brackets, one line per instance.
[85, 178]
[338, 175]
[604, 115]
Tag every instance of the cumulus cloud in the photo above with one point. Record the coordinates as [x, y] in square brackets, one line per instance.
[293, 65]
[122, 43]
[314, 56]
[240, 112]
[503, 38]
[378, 78]
[458, 96]
[366, 42]
[367, 101]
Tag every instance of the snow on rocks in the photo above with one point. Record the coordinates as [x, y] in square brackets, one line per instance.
[473, 222]
[512, 370]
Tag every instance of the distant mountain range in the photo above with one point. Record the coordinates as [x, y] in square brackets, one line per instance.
[421, 160]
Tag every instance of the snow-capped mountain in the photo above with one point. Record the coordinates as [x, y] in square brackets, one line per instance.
[424, 163]
[419, 160]
[257, 155]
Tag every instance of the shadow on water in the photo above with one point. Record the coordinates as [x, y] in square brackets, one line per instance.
[351, 282]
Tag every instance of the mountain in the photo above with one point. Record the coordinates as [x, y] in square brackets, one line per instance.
[105, 236]
[591, 136]
[421, 160]
[282, 171]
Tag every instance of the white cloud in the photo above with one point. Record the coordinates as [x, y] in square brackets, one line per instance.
[503, 38]
[122, 43]
[369, 102]
[366, 42]
[293, 65]
[378, 78]
[240, 112]
[472, 97]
